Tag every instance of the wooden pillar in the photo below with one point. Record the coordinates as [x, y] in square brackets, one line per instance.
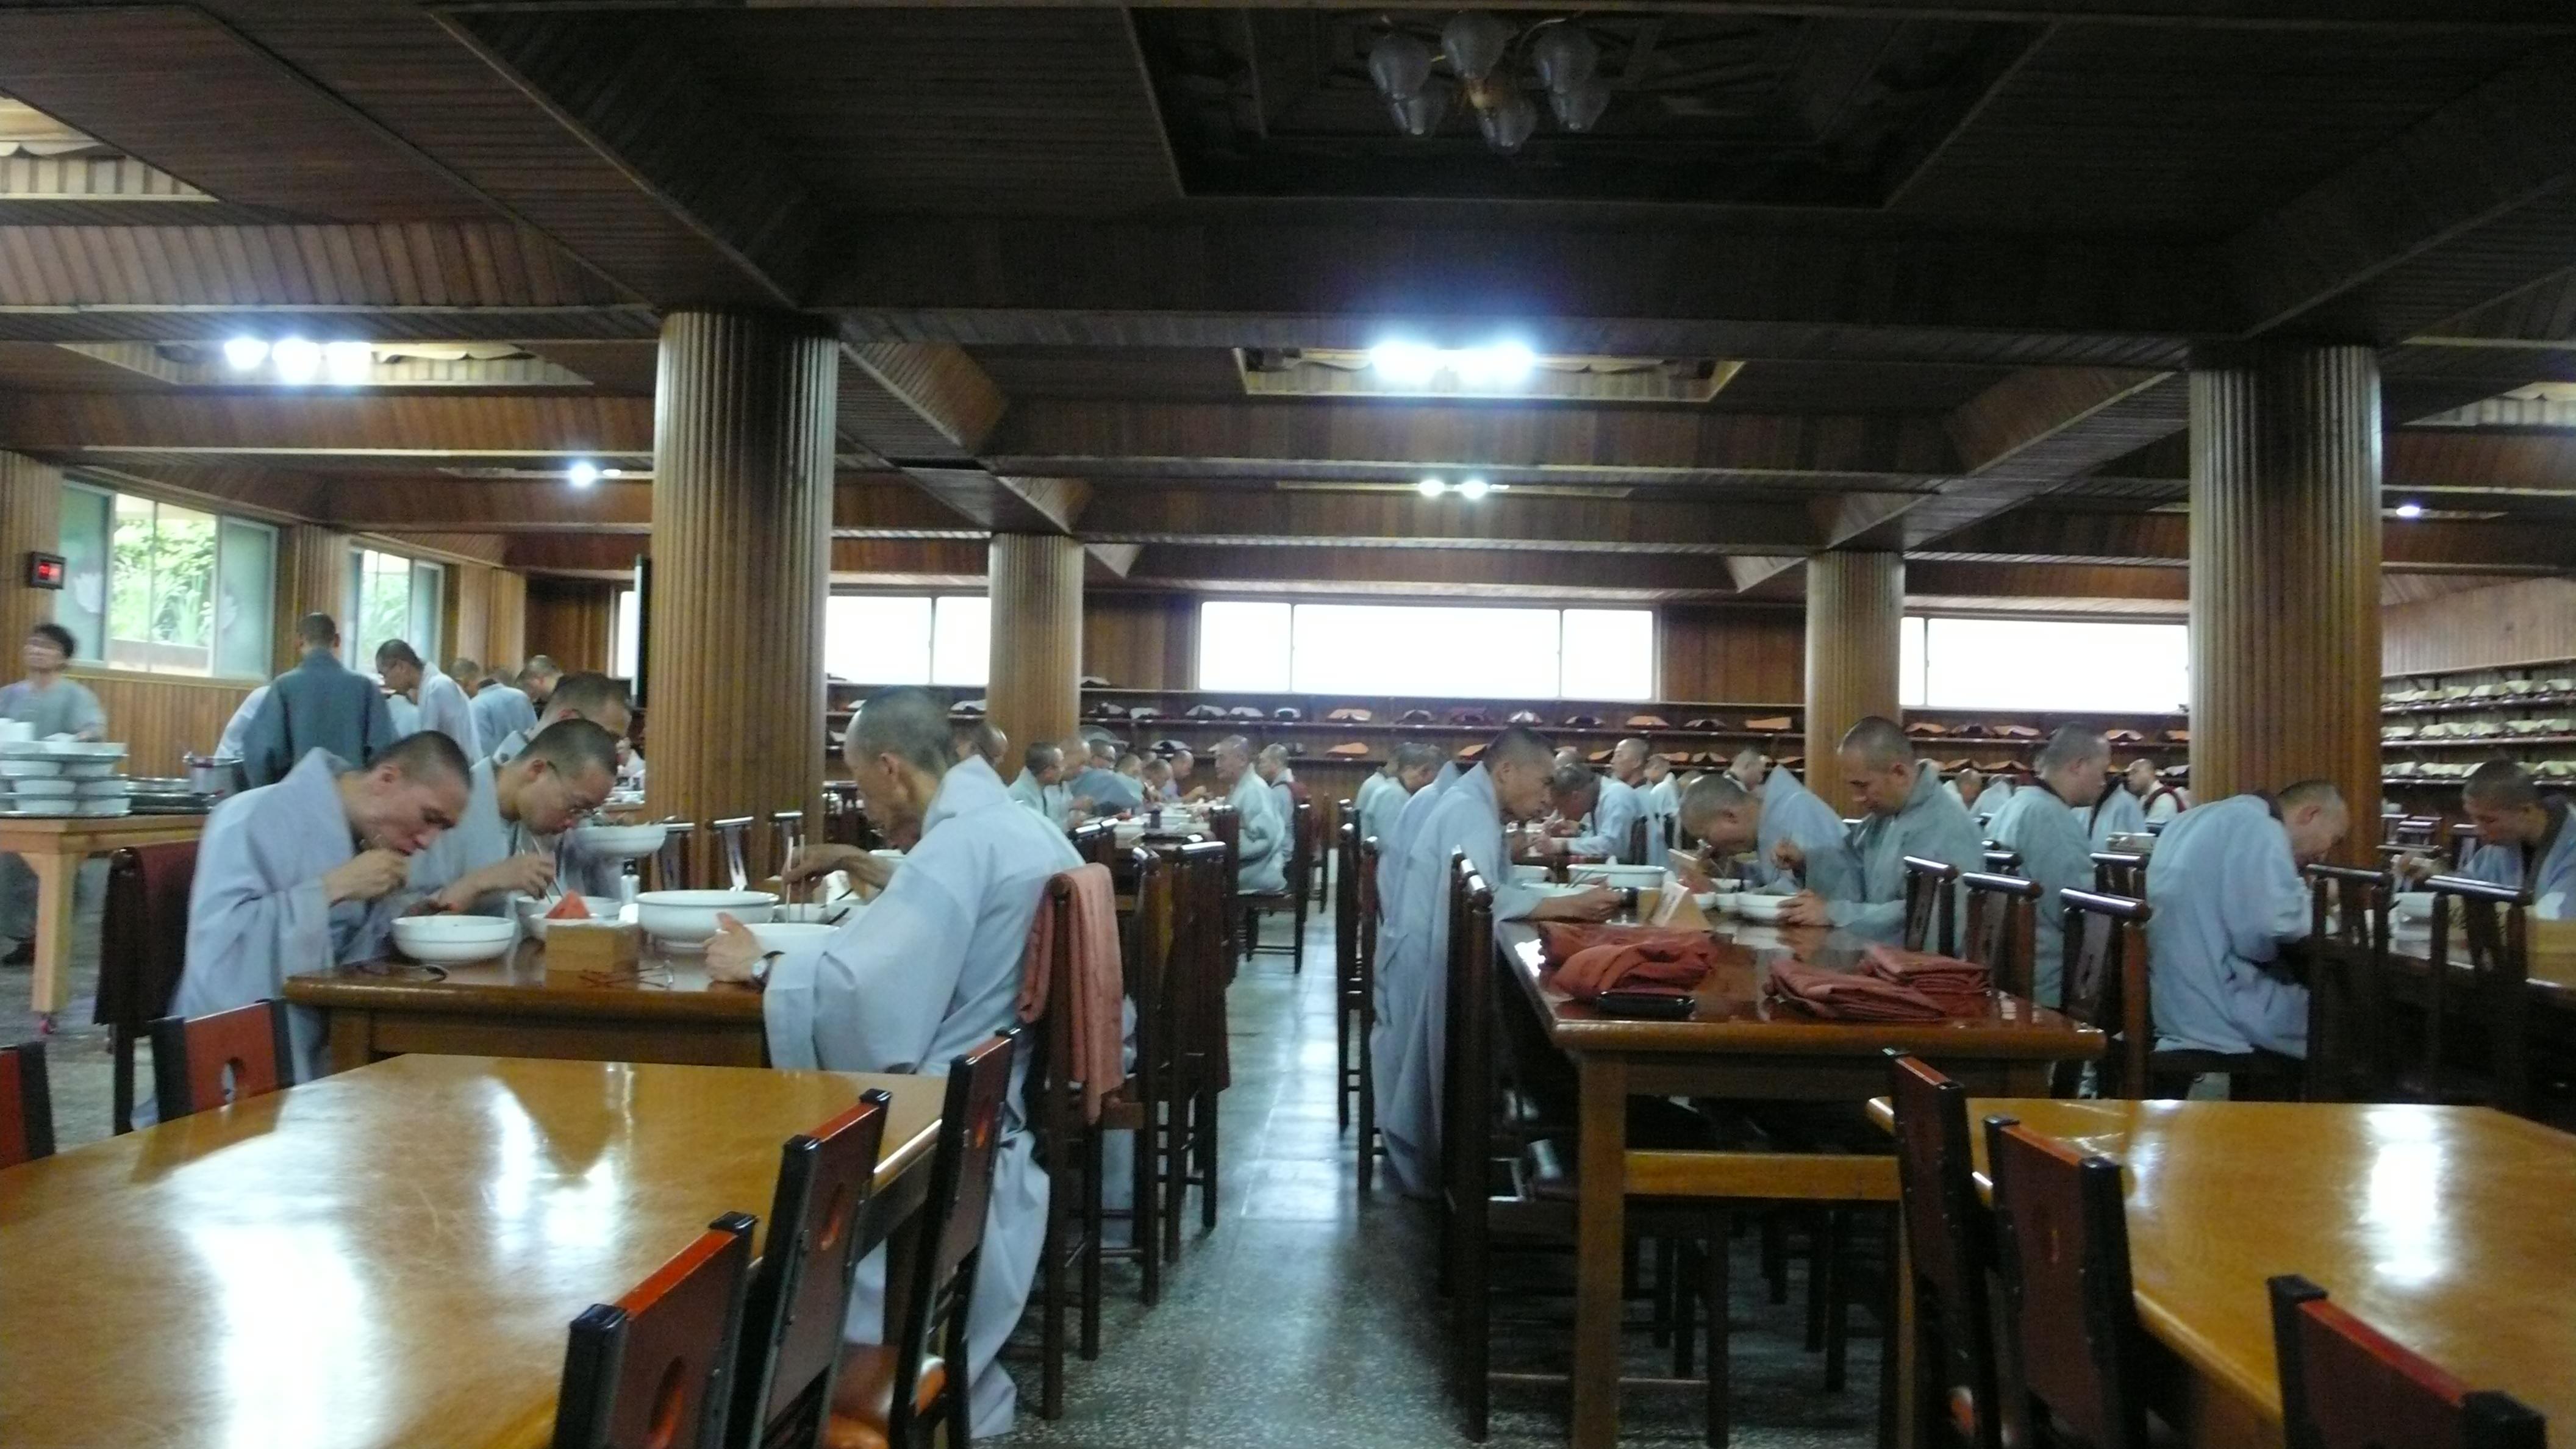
[1855, 617]
[2285, 574]
[505, 630]
[31, 521]
[312, 578]
[742, 516]
[1035, 689]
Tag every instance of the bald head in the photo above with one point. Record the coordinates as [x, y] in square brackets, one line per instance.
[904, 724]
[1628, 759]
[1877, 764]
[1518, 762]
[1747, 768]
[593, 697]
[2313, 814]
[2500, 785]
[317, 631]
[1718, 809]
[1877, 743]
[1573, 784]
[2075, 764]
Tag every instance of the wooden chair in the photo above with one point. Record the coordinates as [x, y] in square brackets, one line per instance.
[2117, 873]
[2106, 987]
[1346, 926]
[2347, 980]
[2492, 1001]
[1951, 1249]
[191, 1057]
[2070, 1322]
[910, 1393]
[733, 846]
[843, 823]
[1363, 1013]
[1196, 1017]
[2464, 843]
[1931, 906]
[1144, 1104]
[1225, 825]
[671, 861]
[2417, 832]
[2346, 1385]
[1291, 898]
[1634, 852]
[800, 1289]
[26, 1105]
[142, 947]
[1070, 1147]
[656, 1367]
[2003, 925]
[2000, 861]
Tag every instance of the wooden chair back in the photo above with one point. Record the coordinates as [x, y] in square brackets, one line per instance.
[1931, 906]
[1202, 963]
[2118, 873]
[191, 1057]
[2003, 926]
[2464, 843]
[2062, 1245]
[2348, 947]
[1096, 841]
[733, 849]
[1364, 994]
[656, 1367]
[26, 1105]
[786, 839]
[1467, 1070]
[1301, 849]
[800, 1289]
[142, 948]
[2416, 831]
[1633, 850]
[671, 861]
[1951, 1250]
[2105, 986]
[2496, 935]
[2346, 1385]
[1346, 898]
[961, 1186]
[1225, 823]
[2001, 861]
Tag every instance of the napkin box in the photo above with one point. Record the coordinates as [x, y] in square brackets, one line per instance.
[586, 947]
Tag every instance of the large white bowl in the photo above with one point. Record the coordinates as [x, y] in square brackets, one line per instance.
[788, 935]
[688, 918]
[14, 769]
[1529, 874]
[619, 842]
[1625, 877]
[1753, 907]
[454, 940]
[82, 750]
[45, 785]
[532, 911]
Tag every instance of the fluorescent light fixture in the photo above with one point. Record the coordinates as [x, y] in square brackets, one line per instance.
[582, 474]
[1431, 487]
[1504, 364]
[1406, 364]
[612, 472]
[245, 353]
[348, 362]
[2410, 510]
[1472, 489]
[297, 360]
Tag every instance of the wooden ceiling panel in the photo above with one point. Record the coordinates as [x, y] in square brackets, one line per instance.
[414, 264]
[1122, 374]
[326, 423]
[44, 367]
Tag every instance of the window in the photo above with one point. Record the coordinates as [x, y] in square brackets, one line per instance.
[908, 639]
[171, 590]
[2052, 664]
[1412, 649]
[626, 628]
[392, 597]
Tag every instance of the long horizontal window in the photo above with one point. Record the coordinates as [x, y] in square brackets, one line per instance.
[1414, 649]
[908, 639]
[2047, 664]
[154, 586]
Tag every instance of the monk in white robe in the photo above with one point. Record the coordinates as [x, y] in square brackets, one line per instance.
[582, 695]
[1606, 806]
[2224, 881]
[1261, 840]
[2040, 822]
[1908, 814]
[441, 700]
[295, 877]
[928, 973]
[2524, 839]
[1410, 1043]
[500, 846]
[1040, 786]
[1414, 763]
[2116, 814]
[1392, 847]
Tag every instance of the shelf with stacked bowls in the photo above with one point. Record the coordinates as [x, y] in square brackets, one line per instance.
[56, 778]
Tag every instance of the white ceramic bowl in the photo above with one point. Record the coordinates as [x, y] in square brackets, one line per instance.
[831, 914]
[788, 935]
[41, 805]
[115, 789]
[14, 769]
[688, 918]
[2412, 906]
[1759, 907]
[532, 911]
[620, 842]
[82, 750]
[45, 785]
[91, 770]
[1624, 877]
[118, 806]
[1529, 874]
[454, 940]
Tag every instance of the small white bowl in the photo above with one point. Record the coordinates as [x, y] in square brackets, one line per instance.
[15, 769]
[2412, 906]
[788, 935]
[1624, 877]
[92, 770]
[115, 789]
[619, 842]
[1529, 874]
[41, 805]
[82, 750]
[454, 940]
[688, 918]
[1761, 908]
[118, 806]
[532, 911]
[46, 785]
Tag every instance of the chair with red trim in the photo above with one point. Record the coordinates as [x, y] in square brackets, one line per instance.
[656, 1367]
[26, 1105]
[1951, 1250]
[2346, 1385]
[2070, 1318]
[800, 1289]
[193, 1056]
[142, 947]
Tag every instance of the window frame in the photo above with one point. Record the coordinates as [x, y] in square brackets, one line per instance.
[1920, 652]
[362, 650]
[1298, 684]
[98, 662]
[930, 653]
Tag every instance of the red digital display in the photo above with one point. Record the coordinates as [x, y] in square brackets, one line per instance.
[44, 571]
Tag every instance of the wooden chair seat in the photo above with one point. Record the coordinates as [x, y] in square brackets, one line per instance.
[26, 1105]
[193, 1058]
[863, 1396]
[2255, 1076]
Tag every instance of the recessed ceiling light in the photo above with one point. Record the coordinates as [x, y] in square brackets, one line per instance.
[2410, 510]
[1473, 488]
[348, 362]
[297, 360]
[245, 353]
[582, 474]
[1431, 487]
[1505, 364]
[1406, 364]
[612, 472]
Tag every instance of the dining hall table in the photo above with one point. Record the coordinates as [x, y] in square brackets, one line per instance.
[53, 846]
[1740, 1045]
[390, 1257]
[2450, 1229]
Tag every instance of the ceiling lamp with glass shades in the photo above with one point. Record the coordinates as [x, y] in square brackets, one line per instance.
[1494, 67]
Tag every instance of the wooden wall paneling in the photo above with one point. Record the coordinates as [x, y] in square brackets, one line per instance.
[742, 510]
[1141, 640]
[469, 614]
[1855, 621]
[569, 621]
[1750, 654]
[2517, 623]
[505, 633]
[31, 519]
[160, 719]
[2285, 645]
[1033, 691]
[312, 578]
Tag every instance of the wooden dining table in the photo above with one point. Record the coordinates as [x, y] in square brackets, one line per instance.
[668, 1011]
[391, 1257]
[2450, 1229]
[54, 847]
[1742, 1046]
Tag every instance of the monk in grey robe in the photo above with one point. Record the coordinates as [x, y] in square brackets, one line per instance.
[583, 695]
[1908, 814]
[320, 704]
[2042, 822]
[501, 846]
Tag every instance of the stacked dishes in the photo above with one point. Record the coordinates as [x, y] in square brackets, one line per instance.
[62, 777]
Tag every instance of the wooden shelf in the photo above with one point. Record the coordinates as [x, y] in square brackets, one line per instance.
[2479, 742]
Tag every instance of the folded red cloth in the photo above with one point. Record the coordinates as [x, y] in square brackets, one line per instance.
[1960, 986]
[1589, 960]
[1851, 996]
[1561, 940]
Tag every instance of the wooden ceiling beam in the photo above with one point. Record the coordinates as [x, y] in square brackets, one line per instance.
[286, 424]
[1501, 521]
[2163, 540]
[2040, 427]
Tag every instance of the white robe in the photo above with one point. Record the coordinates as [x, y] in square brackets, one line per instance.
[925, 975]
[1050, 802]
[2045, 830]
[2164, 805]
[1391, 846]
[404, 714]
[2116, 814]
[1378, 811]
[2227, 895]
[1368, 791]
[445, 708]
[236, 729]
[257, 913]
[1614, 812]
[1410, 1042]
[1261, 842]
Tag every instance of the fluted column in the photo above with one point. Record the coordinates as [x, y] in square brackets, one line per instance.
[31, 519]
[312, 578]
[1035, 691]
[2285, 574]
[742, 515]
[1855, 620]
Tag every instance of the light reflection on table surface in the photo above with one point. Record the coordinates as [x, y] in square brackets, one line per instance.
[389, 1256]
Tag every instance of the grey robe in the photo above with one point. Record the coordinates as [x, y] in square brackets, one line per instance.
[1049, 801]
[257, 913]
[926, 974]
[1108, 791]
[1606, 831]
[1377, 813]
[2116, 813]
[480, 838]
[1261, 843]
[1794, 813]
[2552, 879]
[65, 708]
[2054, 853]
[576, 870]
[444, 708]
[2227, 895]
[1408, 822]
[1410, 1042]
[317, 705]
[1931, 825]
[500, 711]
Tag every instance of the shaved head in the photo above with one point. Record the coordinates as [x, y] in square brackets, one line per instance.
[2501, 785]
[1519, 745]
[1877, 743]
[906, 723]
[2314, 816]
[1718, 809]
